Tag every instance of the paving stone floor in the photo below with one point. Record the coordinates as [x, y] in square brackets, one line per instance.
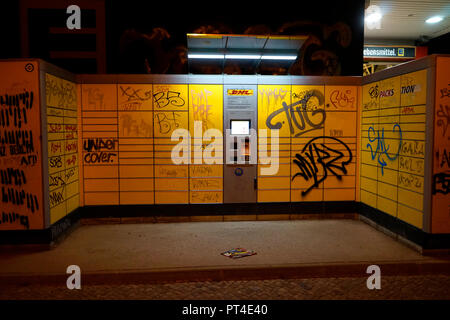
[424, 287]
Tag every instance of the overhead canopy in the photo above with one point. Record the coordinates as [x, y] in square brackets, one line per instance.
[245, 54]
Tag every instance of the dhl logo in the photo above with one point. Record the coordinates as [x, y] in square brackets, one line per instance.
[241, 92]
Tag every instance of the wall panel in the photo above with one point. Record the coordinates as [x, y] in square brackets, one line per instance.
[62, 139]
[170, 113]
[100, 133]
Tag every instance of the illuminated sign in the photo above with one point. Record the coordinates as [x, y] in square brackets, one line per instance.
[389, 52]
[240, 92]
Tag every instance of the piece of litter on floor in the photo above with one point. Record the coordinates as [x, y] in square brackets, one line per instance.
[238, 253]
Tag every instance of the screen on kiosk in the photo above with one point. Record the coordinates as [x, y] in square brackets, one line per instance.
[240, 126]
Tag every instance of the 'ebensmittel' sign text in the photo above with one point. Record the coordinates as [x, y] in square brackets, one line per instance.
[389, 52]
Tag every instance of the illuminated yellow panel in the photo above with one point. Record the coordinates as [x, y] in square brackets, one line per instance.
[273, 108]
[273, 195]
[414, 88]
[341, 98]
[99, 97]
[171, 184]
[369, 185]
[136, 197]
[333, 182]
[371, 97]
[368, 171]
[206, 170]
[144, 146]
[100, 185]
[366, 157]
[308, 110]
[390, 92]
[205, 184]
[411, 165]
[412, 118]
[72, 203]
[136, 184]
[368, 198]
[387, 206]
[101, 198]
[414, 127]
[410, 198]
[413, 148]
[410, 182]
[60, 93]
[274, 183]
[206, 197]
[99, 117]
[61, 99]
[139, 171]
[388, 191]
[206, 106]
[171, 171]
[134, 97]
[341, 124]
[410, 216]
[100, 172]
[389, 175]
[166, 122]
[72, 189]
[283, 169]
[170, 97]
[312, 195]
[339, 194]
[57, 212]
[168, 197]
[136, 124]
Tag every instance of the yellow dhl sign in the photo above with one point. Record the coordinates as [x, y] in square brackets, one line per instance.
[240, 92]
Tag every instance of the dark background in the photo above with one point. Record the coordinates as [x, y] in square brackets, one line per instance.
[315, 18]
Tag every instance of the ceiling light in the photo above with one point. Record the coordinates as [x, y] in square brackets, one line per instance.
[434, 19]
[373, 17]
[205, 56]
[267, 57]
[242, 56]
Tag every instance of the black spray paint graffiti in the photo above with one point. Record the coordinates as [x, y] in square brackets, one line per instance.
[373, 93]
[55, 198]
[14, 109]
[317, 154]
[300, 109]
[16, 148]
[443, 115]
[100, 150]
[18, 197]
[12, 217]
[443, 158]
[163, 99]
[134, 95]
[441, 183]
[445, 92]
[16, 141]
[12, 176]
[410, 181]
[167, 123]
[13, 113]
[61, 179]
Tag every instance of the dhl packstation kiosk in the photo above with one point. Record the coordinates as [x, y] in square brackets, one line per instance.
[168, 147]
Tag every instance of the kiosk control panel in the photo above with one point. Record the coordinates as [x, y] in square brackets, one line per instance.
[240, 157]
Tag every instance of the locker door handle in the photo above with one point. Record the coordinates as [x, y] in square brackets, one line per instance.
[255, 183]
